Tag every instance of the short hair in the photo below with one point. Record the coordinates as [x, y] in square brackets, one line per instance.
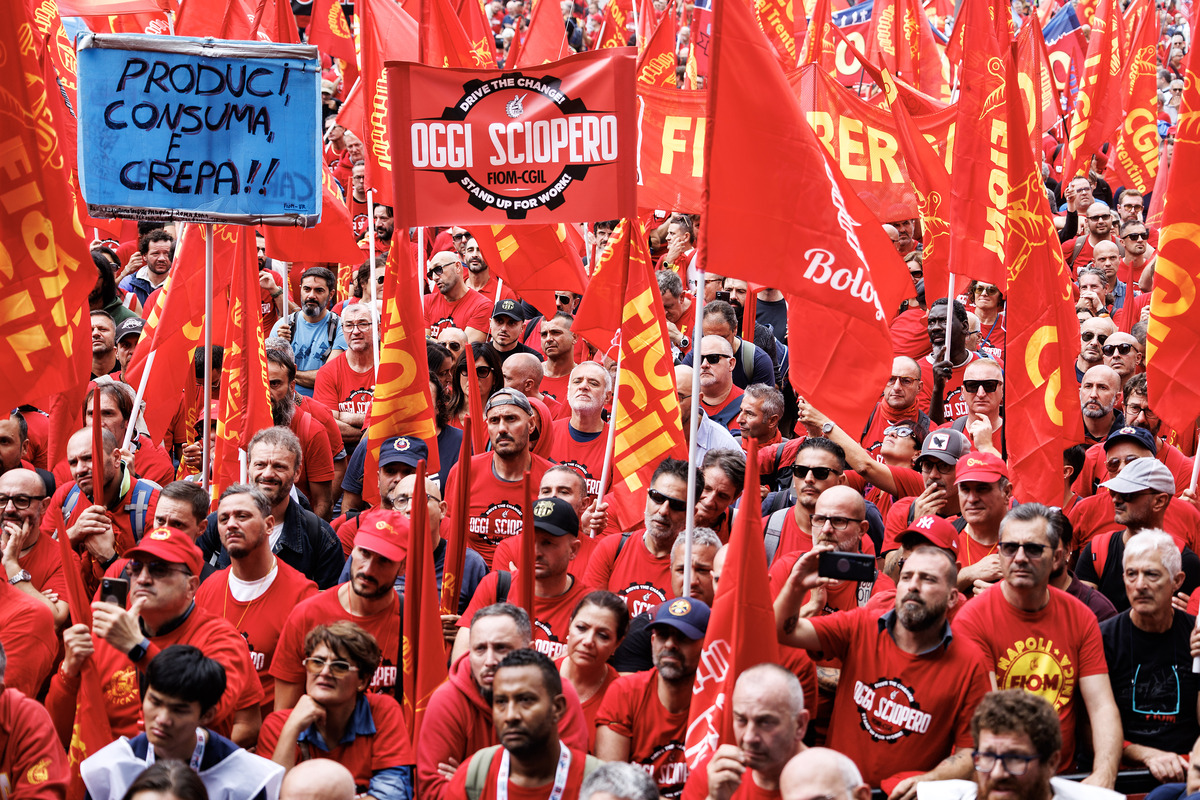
[1019, 711]
[770, 397]
[346, 637]
[621, 780]
[323, 273]
[284, 359]
[198, 359]
[22, 424]
[1028, 512]
[1127, 192]
[795, 692]
[611, 224]
[821, 443]
[156, 235]
[1089, 270]
[1136, 384]
[719, 308]
[933, 550]
[731, 462]
[960, 311]
[191, 493]
[678, 468]
[604, 599]
[359, 308]
[574, 473]
[256, 495]
[185, 673]
[701, 537]
[608, 381]
[566, 317]
[278, 436]
[106, 438]
[1155, 540]
[517, 614]
[669, 282]
[686, 222]
[169, 777]
[528, 657]
[1073, 457]
[121, 393]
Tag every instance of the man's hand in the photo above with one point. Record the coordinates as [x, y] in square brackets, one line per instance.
[1166, 767]
[942, 370]
[136, 262]
[812, 418]
[929, 502]
[674, 251]
[674, 334]
[448, 767]
[267, 281]
[284, 331]
[77, 648]
[906, 789]
[13, 538]
[725, 771]
[118, 627]
[193, 455]
[595, 519]
[450, 627]
[986, 570]
[1069, 196]
[1194, 642]
[980, 429]
[1091, 300]
[102, 545]
[92, 522]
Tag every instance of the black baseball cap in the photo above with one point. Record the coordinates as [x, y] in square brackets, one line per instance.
[555, 516]
[509, 308]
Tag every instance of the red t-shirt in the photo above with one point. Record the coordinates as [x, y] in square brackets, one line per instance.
[551, 615]
[697, 787]
[27, 633]
[259, 621]
[910, 334]
[364, 755]
[471, 311]
[895, 711]
[631, 708]
[44, 563]
[495, 504]
[509, 552]
[359, 220]
[1085, 253]
[317, 464]
[909, 483]
[993, 338]
[268, 309]
[584, 451]
[972, 552]
[726, 413]
[1045, 652]
[324, 416]
[635, 574]
[326, 607]
[33, 765]
[897, 520]
[839, 595]
[791, 538]
[557, 388]
[458, 784]
[955, 404]
[591, 706]
[489, 291]
[340, 388]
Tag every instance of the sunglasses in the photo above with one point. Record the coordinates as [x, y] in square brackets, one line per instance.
[463, 235]
[157, 569]
[435, 272]
[337, 669]
[1129, 497]
[380, 279]
[902, 431]
[713, 358]
[1032, 549]
[801, 472]
[564, 299]
[1087, 336]
[985, 289]
[1122, 348]
[1113, 464]
[674, 503]
[453, 347]
[989, 386]
[1015, 764]
[1137, 237]
[480, 371]
[19, 501]
[1095, 219]
[936, 465]
[902, 381]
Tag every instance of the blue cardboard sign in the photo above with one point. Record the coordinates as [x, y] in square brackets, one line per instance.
[199, 130]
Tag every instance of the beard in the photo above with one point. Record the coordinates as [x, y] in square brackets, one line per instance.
[920, 616]
[283, 410]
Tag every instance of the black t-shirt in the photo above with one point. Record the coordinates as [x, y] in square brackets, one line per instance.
[520, 348]
[1152, 681]
[773, 313]
[1112, 582]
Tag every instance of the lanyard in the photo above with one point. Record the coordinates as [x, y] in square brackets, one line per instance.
[560, 774]
[197, 754]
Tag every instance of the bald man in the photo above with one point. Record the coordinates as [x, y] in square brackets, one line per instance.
[1123, 352]
[454, 304]
[983, 389]
[580, 440]
[821, 772]
[523, 372]
[709, 435]
[318, 779]
[1093, 333]
[1106, 256]
[1100, 400]
[721, 400]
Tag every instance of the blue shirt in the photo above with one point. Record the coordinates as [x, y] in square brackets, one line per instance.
[310, 342]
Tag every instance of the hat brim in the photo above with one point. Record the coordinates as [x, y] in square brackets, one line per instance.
[686, 628]
[981, 475]
[940, 455]
[143, 552]
[377, 544]
[1125, 486]
[553, 530]
[400, 458]
[507, 314]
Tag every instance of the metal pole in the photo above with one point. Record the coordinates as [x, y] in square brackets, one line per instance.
[374, 294]
[606, 472]
[208, 364]
[137, 401]
[694, 424]
[949, 314]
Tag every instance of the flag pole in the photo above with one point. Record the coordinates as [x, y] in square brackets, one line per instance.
[693, 425]
[137, 401]
[208, 365]
[610, 445]
[371, 258]
[949, 313]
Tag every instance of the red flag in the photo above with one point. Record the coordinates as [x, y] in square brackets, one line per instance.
[424, 661]
[329, 31]
[656, 59]
[245, 404]
[1097, 111]
[1154, 214]
[85, 8]
[479, 432]
[402, 405]
[535, 261]
[902, 41]
[479, 32]
[777, 20]
[1173, 340]
[1039, 91]
[252, 20]
[459, 497]
[445, 42]
[615, 30]
[818, 42]
[1136, 162]
[1042, 407]
[388, 34]
[544, 41]
[331, 239]
[851, 271]
[733, 642]
[526, 592]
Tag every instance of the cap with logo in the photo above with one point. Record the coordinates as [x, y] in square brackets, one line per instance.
[1130, 433]
[687, 615]
[509, 308]
[947, 446]
[934, 530]
[1142, 474]
[509, 397]
[403, 450]
[555, 516]
[130, 327]
[170, 545]
[383, 532]
[983, 467]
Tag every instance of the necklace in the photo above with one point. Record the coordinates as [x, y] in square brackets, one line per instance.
[255, 585]
[986, 552]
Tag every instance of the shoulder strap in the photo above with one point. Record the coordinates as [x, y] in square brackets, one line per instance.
[69, 503]
[746, 355]
[959, 524]
[477, 771]
[1100, 551]
[911, 512]
[503, 585]
[331, 327]
[871, 419]
[1079, 240]
[139, 509]
[772, 536]
[621, 545]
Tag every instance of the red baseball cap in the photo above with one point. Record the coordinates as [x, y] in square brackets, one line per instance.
[981, 467]
[170, 545]
[383, 532]
[936, 530]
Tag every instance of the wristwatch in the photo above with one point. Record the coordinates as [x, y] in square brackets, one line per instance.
[139, 650]
[827, 428]
[23, 575]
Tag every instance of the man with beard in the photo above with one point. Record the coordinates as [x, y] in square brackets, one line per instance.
[104, 345]
[644, 716]
[454, 304]
[316, 475]
[1093, 333]
[942, 370]
[479, 277]
[580, 440]
[385, 226]
[257, 590]
[158, 250]
[758, 419]
[1105, 258]
[313, 332]
[320, 414]
[899, 403]
[1018, 744]
[369, 600]
[1139, 255]
[300, 538]
[1079, 251]
[527, 706]
[1099, 400]
[908, 688]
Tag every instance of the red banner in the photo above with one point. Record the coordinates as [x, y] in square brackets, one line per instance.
[671, 147]
[424, 660]
[388, 32]
[535, 261]
[1098, 105]
[555, 144]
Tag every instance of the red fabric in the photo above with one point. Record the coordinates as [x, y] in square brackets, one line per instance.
[1136, 160]
[425, 668]
[458, 723]
[327, 607]
[1045, 652]
[24, 625]
[489, 791]
[713, 409]
[259, 621]
[508, 552]
[1085, 252]
[1093, 516]
[472, 310]
[897, 520]
[33, 765]
[388, 747]
[445, 42]
[631, 708]
[331, 239]
[552, 615]
[44, 563]
[587, 457]
[324, 416]
[535, 261]
[328, 30]
[1097, 110]
[494, 505]
[387, 33]
[479, 31]
[592, 705]
[492, 286]
[317, 464]
[340, 388]
[544, 40]
[268, 310]
[895, 711]
[910, 333]
[642, 580]
[697, 787]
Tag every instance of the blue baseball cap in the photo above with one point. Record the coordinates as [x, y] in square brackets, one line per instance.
[403, 450]
[687, 615]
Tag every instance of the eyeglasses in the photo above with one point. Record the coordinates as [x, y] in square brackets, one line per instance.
[906, 382]
[19, 501]
[463, 235]
[800, 472]
[1129, 497]
[481, 371]
[435, 272]
[1132, 206]
[674, 503]
[714, 280]
[989, 386]
[937, 465]
[1015, 764]
[1122, 348]
[1115, 463]
[380, 279]
[316, 665]
[1032, 550]
[357, 326]
[564, 299]
[1177, 91]
[1102, 216]
[157, 569]
[1137, 237]
[713, 358]
[903, 431]
[837, 523]
[1087, 336]
[984, 288]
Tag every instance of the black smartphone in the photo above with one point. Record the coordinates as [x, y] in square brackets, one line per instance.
[724, 296]
[114, 590]
[846, 566]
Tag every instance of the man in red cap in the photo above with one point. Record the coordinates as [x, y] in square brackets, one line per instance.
[984, 496]
[929, 529]
[163, 572]
[368, 599]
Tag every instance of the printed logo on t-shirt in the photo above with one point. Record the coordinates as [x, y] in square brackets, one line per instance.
[593, 483]
[498, 522]
[122, 688]
[642, 597]
[1039, 666]
[384, 679]
[259, 659]
[441, 325]
[550, 645]
[888, 710]
[359, 402]
[359, 221]
[667, 766]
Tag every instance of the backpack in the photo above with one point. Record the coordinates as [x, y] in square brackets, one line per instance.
[746, 356]
[1100, 543]
[331, 327]
[771, 536]
[481, 764]
[138, 509]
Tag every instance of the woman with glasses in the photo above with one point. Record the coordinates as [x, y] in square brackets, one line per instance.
[988, 303]
[337, 718]
[487, 373]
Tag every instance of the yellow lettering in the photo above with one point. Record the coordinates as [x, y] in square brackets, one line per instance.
[848, 148]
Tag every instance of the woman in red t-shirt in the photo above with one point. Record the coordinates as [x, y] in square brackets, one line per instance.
[598, 624]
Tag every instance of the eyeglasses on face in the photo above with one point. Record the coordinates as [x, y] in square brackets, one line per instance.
[713, 358]
[973, 387]
[936, 465]
[1137, 236]
[1124, 349]
[1032, 549]
[1129, 497]
[362, 325]
[837, 523]
[1015, 764]
[1132, 206]
[316, 665]
[435, 272]
[1087, 336]
[19, 501]
[905, 382]
[157, 569]
[902, 431]
[462, 235]
[1114, 464]
[800, 472]
[673, 503]
[983, 288]
[1100, 217]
